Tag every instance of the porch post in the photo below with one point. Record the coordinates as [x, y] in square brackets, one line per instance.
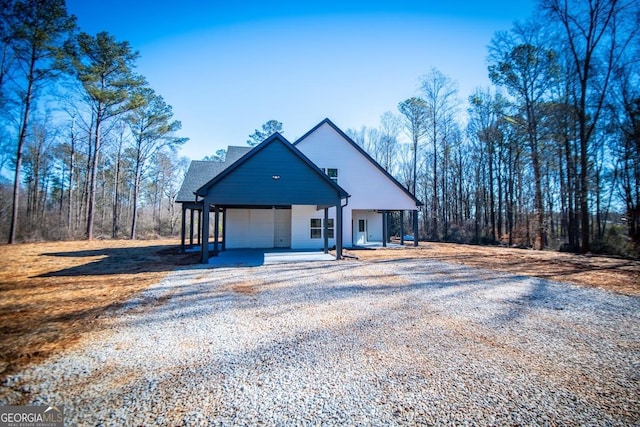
[205, 231]
[200, 225]
[325, 230]
[183, 230]
[216, 230]
[385, 226]
[415, 227]
[224, 229]
[338, 230]
[191, 224]
[402, 227]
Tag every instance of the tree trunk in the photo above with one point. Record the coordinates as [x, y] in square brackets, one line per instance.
[93, 179]
[136, 190]
[71, 177]
[116, 198]
[21, 139]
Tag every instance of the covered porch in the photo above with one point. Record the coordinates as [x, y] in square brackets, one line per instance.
[248, 198]
[372, 227]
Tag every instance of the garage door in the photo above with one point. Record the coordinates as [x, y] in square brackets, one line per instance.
[258, 228]
[282, 228]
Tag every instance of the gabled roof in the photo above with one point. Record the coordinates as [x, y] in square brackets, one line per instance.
[361, 151]
[201, 171]
[273, 171]
[198, 174]
[234, 153]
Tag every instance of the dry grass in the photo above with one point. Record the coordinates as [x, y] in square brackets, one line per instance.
[618, 275]
[51, 293]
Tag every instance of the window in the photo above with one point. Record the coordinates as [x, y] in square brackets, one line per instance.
[316, 228]
[330, 228]
[332, 173]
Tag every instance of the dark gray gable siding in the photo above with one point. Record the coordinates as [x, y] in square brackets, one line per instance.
[202, 171]
[364, 153]
[250, 181]
[198, 174]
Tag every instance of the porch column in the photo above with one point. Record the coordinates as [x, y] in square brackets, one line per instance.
[415, 227]
[191, 225]
[338, 230]
[216, 230]
[224, 229]
[205, 231]
[402, 227]
[325, 230]
[385, 226]
[183, 230]
[199, 227]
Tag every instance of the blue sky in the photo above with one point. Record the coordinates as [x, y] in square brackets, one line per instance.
[226, 68]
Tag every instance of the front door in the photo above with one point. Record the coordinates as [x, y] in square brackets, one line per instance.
[361, 232]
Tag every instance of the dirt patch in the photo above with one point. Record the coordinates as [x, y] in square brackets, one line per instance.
[618, 275]
[51, 293]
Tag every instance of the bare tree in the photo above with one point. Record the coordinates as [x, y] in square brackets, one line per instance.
[390, 125]
[414, 112]
[522, 62]
[153, 127]
[596, 32]
[441, 102]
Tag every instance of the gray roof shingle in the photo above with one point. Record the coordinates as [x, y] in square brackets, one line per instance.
[202, 171]
[234, 153]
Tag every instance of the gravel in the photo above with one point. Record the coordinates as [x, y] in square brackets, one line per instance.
[400, 342]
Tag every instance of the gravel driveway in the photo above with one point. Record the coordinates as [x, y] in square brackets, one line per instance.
[347, 342]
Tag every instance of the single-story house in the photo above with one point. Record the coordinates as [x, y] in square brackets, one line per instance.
[321, 191]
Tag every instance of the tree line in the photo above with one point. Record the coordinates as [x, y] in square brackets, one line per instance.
[546, 157]
[91, 146]
[549, 156]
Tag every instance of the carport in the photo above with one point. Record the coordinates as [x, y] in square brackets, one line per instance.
[271, 177]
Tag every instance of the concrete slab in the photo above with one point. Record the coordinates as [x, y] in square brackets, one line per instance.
[377, 245]
[282, 257]
[257, 257]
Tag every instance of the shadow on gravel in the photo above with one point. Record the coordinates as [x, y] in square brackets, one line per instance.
[443, 331]
[289, 285]
[124, 260]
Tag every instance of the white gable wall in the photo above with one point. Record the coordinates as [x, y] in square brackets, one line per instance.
[369, 187]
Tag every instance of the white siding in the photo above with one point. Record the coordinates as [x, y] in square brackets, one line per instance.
[282, 228]
[370, 188]
[261, 226]
[250, 228]
[237, 232]
[300, 227]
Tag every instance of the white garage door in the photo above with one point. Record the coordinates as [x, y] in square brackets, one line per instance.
[282, 228]
[258, 228]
